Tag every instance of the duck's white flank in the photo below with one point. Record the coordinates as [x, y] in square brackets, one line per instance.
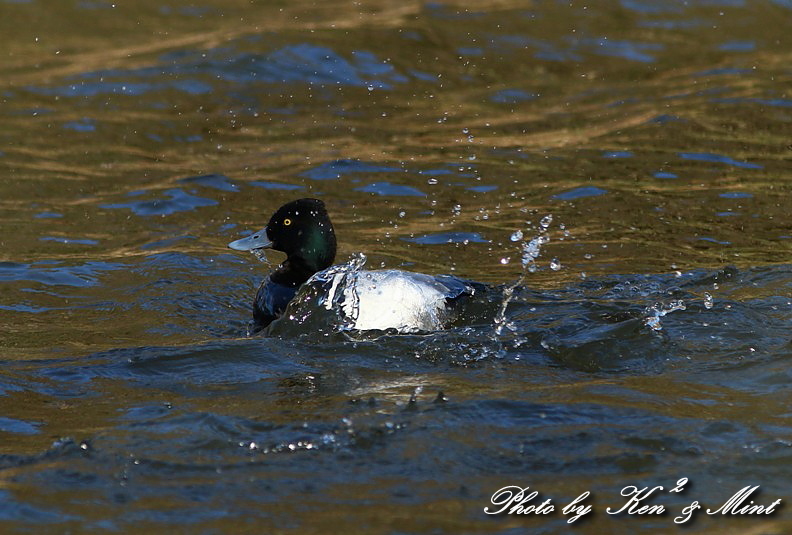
[390, 299]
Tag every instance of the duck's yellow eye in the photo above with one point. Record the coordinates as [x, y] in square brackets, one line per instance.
[287, 222]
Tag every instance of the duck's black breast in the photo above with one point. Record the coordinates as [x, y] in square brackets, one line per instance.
[271, 300]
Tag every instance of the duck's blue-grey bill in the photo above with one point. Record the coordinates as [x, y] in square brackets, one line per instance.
[257, 240]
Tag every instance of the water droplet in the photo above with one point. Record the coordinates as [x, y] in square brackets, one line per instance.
[505, 260]
[432, 181]
[517, 235]
[555, 265]
[653, 322]
[708, 301]
[402, 213]
[261, 255]
[658, 310]
[546, 220]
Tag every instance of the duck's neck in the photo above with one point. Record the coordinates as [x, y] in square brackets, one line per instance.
[292, 272]
[315, 253]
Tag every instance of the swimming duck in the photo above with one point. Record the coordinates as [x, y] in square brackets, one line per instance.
[368, 300]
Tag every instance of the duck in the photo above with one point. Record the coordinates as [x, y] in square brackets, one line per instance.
[367, 300]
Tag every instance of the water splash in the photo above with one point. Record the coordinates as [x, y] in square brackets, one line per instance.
[261, 254]
[530, 251]
[343, 287]
[327, 303]
[658, 310]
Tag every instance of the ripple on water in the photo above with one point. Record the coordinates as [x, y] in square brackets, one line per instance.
[337, 168]
[481, 189]
[193, 72]
[579, 193]
[83, 125]
[631, 50]
[52, 273]
[718, 158]
[776, 102]
[617, 154]
[84, 88]
[214, 181]
[720, 71]
[545, 50]
[653, 7]
[180, 201]
[736, 195]
[386, 188]
[69, 241]
[275, 185]
[21, 427]
[512, 96]
[12, 510]
[442, 238]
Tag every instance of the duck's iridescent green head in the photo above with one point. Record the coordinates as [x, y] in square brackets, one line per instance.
[301, 229]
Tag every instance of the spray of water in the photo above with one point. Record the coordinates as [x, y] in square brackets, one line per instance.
[261, 255]
[342, 277]
[658, 310]
[530, 251]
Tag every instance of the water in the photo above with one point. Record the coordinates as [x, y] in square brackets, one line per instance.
[645, 341]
